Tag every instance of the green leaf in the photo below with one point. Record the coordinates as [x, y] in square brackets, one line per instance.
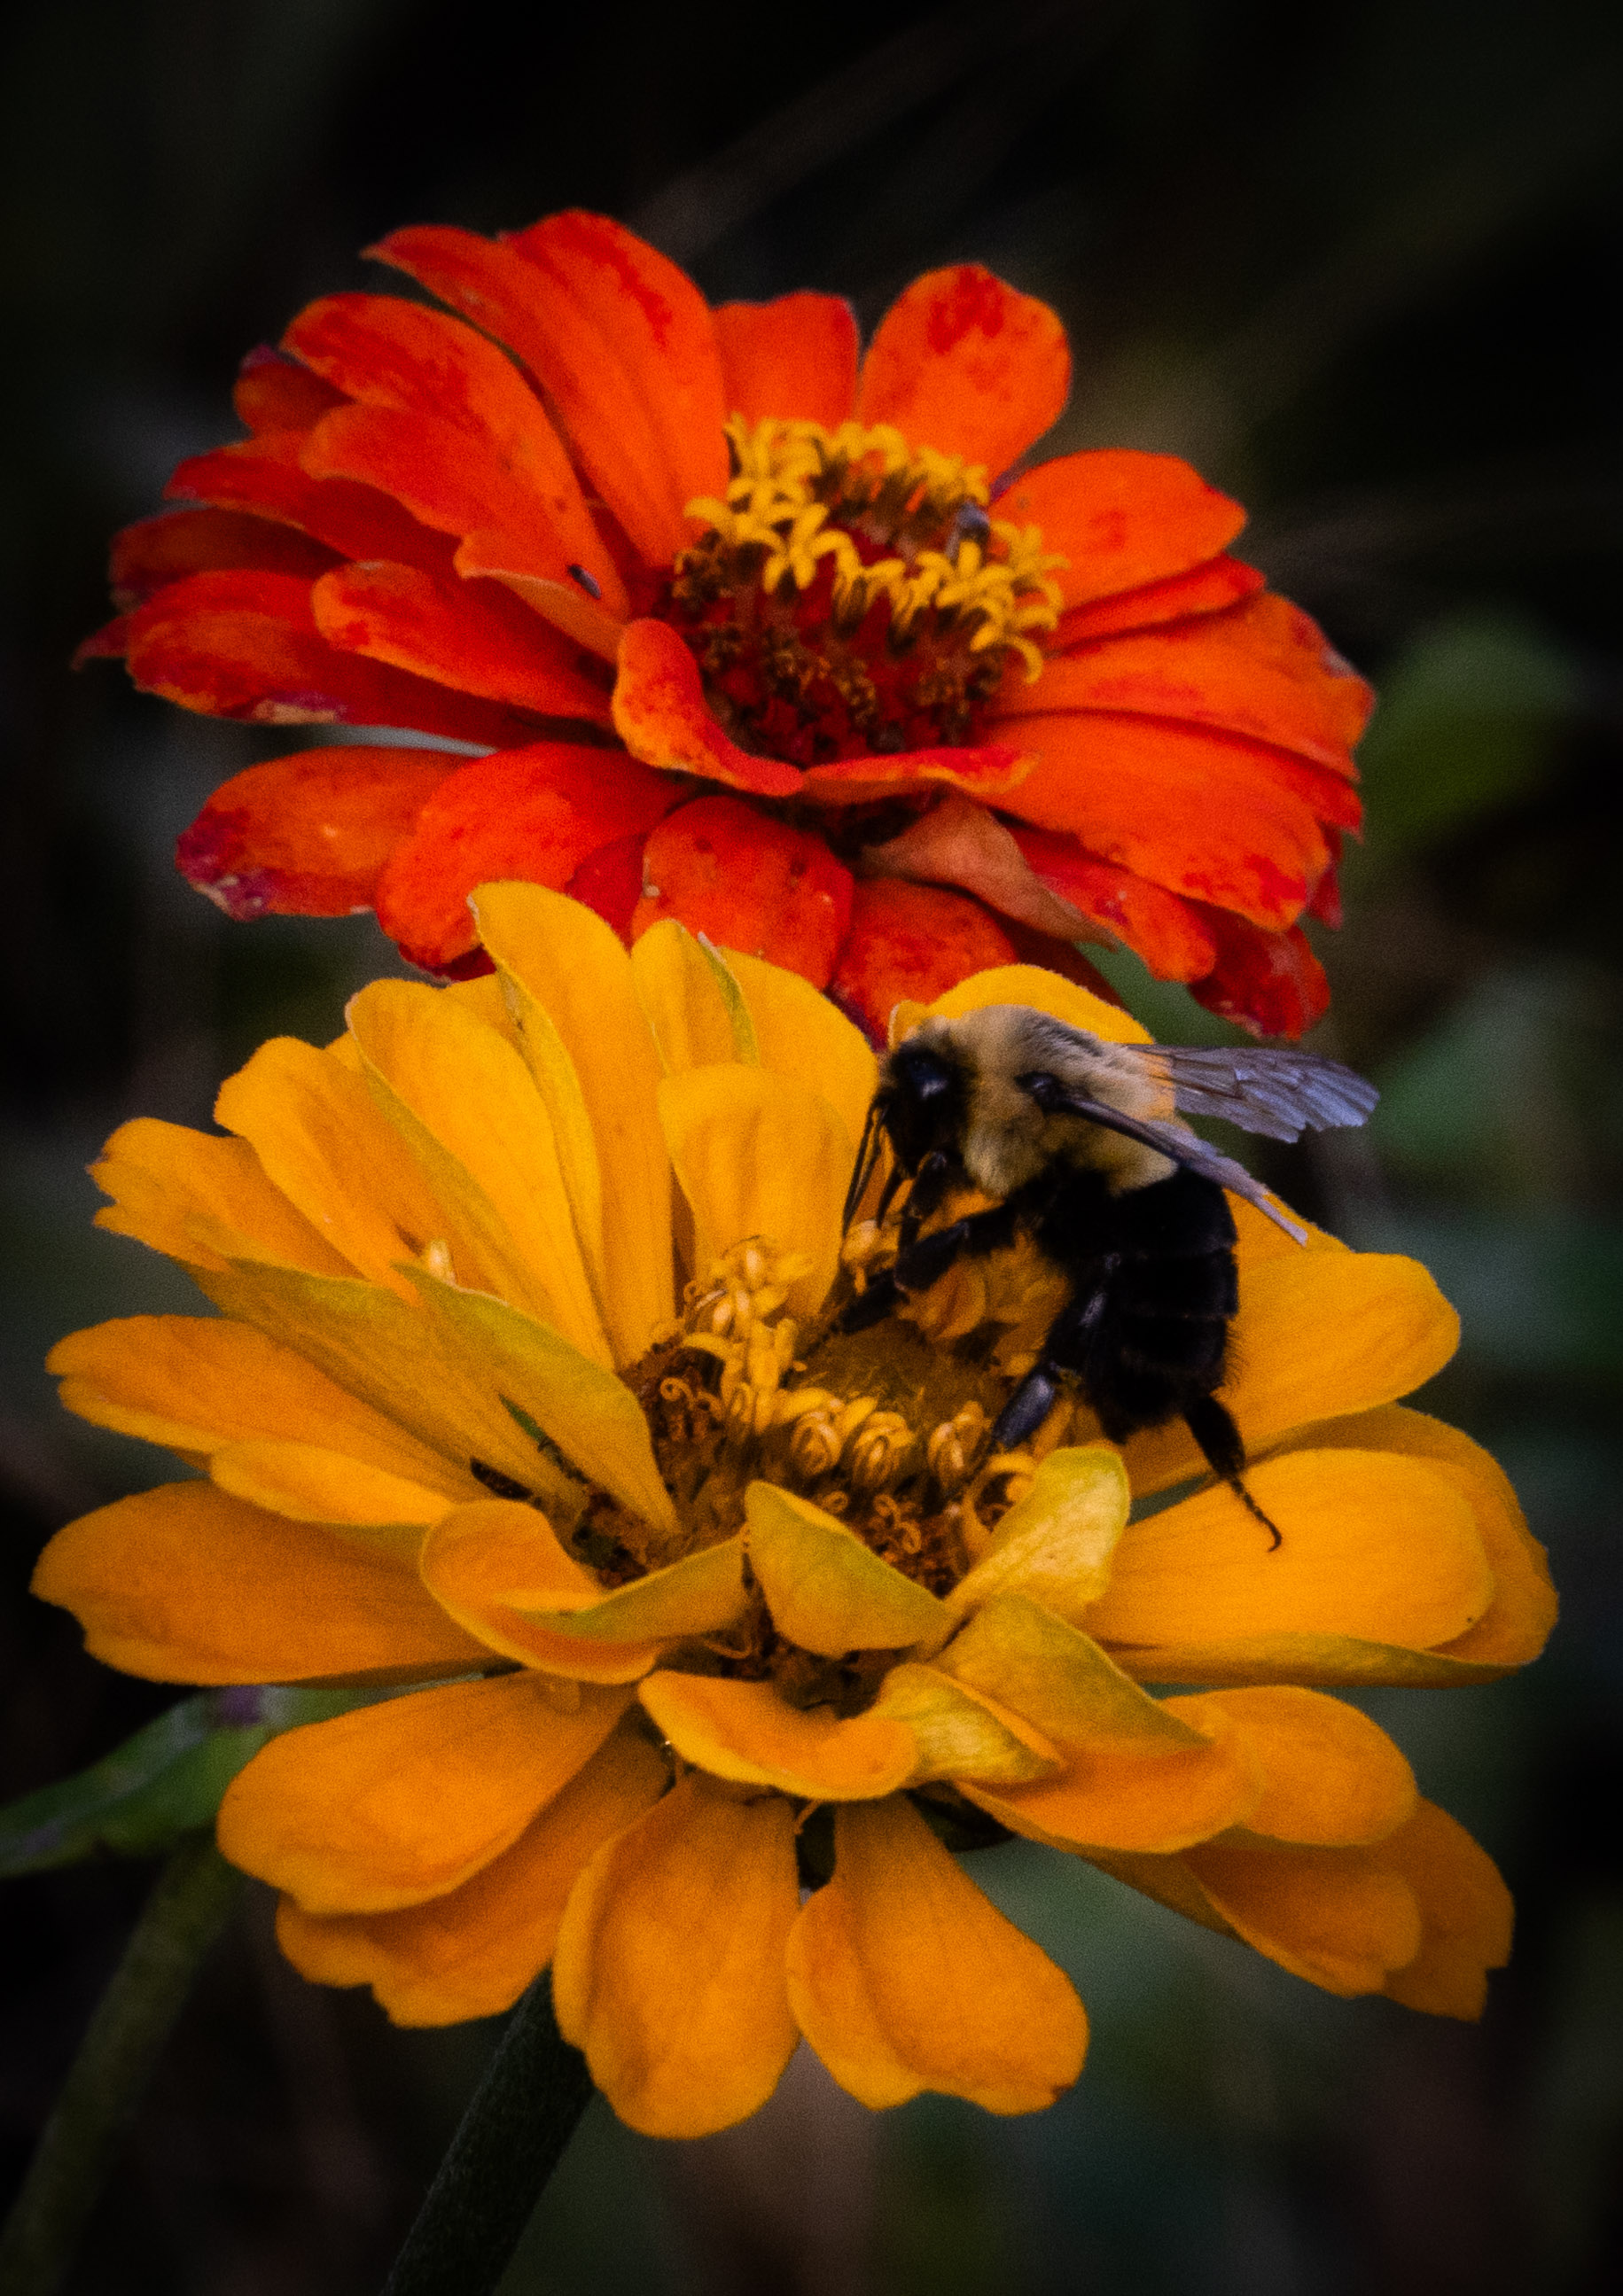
[164, 1782]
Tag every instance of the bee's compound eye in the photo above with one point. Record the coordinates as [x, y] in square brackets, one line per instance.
[1038, 1085]
[924, 1076]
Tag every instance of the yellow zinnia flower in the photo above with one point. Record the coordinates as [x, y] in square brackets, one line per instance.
[522, 1399]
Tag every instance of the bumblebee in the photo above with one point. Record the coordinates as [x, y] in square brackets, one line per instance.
[1081, 1145]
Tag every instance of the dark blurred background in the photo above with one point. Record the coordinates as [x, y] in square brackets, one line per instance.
[1361, 264]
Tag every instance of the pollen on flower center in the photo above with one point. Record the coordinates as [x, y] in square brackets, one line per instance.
[853, 596]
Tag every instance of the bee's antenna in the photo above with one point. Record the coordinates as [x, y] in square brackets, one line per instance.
[1213, 1428]
[867, 1156]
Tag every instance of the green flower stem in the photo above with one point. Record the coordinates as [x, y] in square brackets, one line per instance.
[512, 2137]
[187, 1911]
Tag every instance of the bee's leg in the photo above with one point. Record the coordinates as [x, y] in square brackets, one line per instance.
[936, 1174]
[1064, 1349]
[1214, 1429]
[871, 1305]
[920, 1264]
[1026, 1408]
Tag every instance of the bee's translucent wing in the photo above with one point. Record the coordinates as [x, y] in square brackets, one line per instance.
[1265, 1089]
[1185, 1148]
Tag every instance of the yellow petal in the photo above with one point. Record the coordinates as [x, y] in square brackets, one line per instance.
[1517, 1623]
[461, 1098]
[1466, 1915]
[1045, 992]
[799, 1033]
[1033, 1663]
[903, 1978]
[669, 1966]
[323, 1140]
[1318, 1334]
[1340, 1918]
[759, 1154]
[592, 1417]
[1056, 1543]
[396, 1803]
[1330, 1775]
[1374, 1549]
[569, 984]
[690, 1001]
[202, 1201]
[311, 1485]
[826, 1590]
[415, 1368]
[499, 1569]
[471, 1952]
[958, 1733]
[746, 1732]
[197, 1382]
[186, 1584]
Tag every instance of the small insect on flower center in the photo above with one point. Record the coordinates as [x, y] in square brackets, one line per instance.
[854, 595]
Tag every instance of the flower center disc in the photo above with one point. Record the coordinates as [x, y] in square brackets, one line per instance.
[853, 597]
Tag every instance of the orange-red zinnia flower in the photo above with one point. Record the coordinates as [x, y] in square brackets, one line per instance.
[751, 633]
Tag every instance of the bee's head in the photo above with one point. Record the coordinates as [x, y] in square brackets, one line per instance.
[923, 1098]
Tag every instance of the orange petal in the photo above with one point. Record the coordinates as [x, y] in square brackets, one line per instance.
[1269, 982]
[307, 835]
[471, 1952]
[964, 363]
[1374, 1549]
[1203, 590]
[669, 1965]
[746, 1732]
[904, 1978]
[614, 307]
[1466, 1915]
[662, 717]
[993, 772]
[1517, 1624]
[475, 638]
[409, 360]
[159, 550]
[748, 881]
[1121, 519]
[204, 1201]
[186, 1584]
[910, 942]
[272, 393]
[1340, 1918]
[1330, 1774]
[605, 409]
[958, 843]
[533, 814]
[1319, 1333]
[246, 645]
[1241, 671]
[1154, 924]
[1205, 816]
[795, 358]
[396, 1803]
[267, 476]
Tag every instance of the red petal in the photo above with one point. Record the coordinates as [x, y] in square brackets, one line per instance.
[1205, 815]
[795, 358]
[1262, 669]
[958, 843]
[246, 645]
[307, 835]
[910, 941]
[1060, 956]
[620, 340]
[442, 629]
[1145, 918]
[275, 393]
[662, 717]
[992, 772]
[610, 881]
[1270, 983]
[963, 363]
[110, 642]
[266, 476]
[399, 357]
[535, 814]
[1325, 903]
[1122, 519]
[165, 549]
[1204, 590]
[749, 882]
